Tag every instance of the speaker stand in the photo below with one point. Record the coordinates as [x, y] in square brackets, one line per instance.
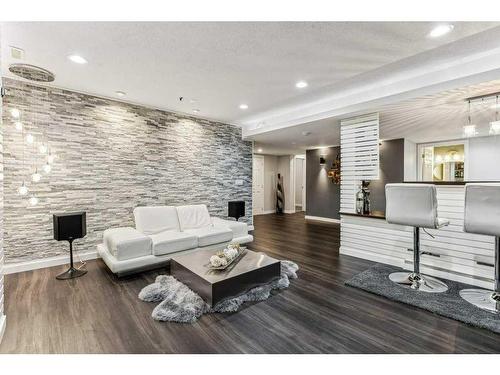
[72, 272]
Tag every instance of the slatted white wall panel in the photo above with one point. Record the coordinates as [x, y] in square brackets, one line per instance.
[452, 254]
[359, 151]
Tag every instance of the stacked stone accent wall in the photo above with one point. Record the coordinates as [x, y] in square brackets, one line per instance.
[111, 157]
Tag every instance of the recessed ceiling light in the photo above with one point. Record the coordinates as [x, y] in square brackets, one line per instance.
[196, 110]
[301, 84]
[120, 93]
[294, 143]
[77, 59]
[243, 106]
[259, 150]
[305, 133]
[440, 30]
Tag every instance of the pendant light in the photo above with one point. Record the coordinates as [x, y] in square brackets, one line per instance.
[469, 130]
[42, 148]
[19, 125]
[495, 125]
[30, 138]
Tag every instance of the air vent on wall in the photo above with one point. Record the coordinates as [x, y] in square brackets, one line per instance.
[32, 72]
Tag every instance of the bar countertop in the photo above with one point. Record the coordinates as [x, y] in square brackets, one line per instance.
[451, 182]
[373, 214]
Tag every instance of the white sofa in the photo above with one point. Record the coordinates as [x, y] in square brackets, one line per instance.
[164, 231]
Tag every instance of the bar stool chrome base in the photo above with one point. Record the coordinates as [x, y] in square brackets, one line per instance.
[419, 282]
[484, 299]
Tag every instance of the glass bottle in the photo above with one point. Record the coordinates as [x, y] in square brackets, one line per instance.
[359, 200]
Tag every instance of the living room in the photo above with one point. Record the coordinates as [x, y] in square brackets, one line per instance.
[194, 186]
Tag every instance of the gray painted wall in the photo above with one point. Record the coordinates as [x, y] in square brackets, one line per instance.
[112, 157]
[322, 195]
[392, 155]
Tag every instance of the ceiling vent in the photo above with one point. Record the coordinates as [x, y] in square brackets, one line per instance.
[31, 72]
[16, 53]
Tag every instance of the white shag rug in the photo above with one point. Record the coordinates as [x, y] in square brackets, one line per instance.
[180, 304]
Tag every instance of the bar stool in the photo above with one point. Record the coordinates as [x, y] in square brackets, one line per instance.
[414, 205]
[482, 216]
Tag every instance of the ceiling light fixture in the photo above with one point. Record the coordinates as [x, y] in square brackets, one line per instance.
[77, 59]
[19, 125]
[495, 125]
[305, 133]
[259, 150]
[196, 110]
[301, 84]
[243, 106]
[441, 30]
[120, 93]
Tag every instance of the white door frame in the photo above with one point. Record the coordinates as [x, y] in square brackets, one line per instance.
[294, 172]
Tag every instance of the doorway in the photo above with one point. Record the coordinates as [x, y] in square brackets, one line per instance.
[258, 185]
[300, 183]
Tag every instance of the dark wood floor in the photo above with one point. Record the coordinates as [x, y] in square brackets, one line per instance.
[99, 313]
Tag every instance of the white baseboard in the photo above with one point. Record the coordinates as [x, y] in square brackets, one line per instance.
[289, 211]
[3, 323]
[47, 262]
[319, 218]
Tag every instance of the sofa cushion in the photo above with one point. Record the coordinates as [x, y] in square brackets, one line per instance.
[173, 241]
[238, 228]
[212, 235]
[126, 243]
[156, 219]
[192, 217]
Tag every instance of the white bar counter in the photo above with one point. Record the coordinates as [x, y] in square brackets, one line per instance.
[451, 254]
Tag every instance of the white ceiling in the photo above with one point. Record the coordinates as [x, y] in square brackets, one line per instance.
[428, 118]
[221, 65]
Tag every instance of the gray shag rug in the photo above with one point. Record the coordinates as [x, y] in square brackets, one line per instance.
[449, 304]
[180, 304]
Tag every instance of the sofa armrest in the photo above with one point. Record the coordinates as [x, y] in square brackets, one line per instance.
[126, 243]
[238, 228]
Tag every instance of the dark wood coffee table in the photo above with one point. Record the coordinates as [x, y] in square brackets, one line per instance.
[251, 270]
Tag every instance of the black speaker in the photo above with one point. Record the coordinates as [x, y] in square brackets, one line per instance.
[69, 227]
[236, 209]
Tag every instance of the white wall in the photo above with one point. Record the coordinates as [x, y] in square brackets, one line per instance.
[484, 159]
[270, 179]
[286, 169]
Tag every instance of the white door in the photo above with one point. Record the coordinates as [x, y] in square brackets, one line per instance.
[258, 185]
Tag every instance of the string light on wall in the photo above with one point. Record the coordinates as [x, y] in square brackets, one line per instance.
[47, 168]
[33, 200]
